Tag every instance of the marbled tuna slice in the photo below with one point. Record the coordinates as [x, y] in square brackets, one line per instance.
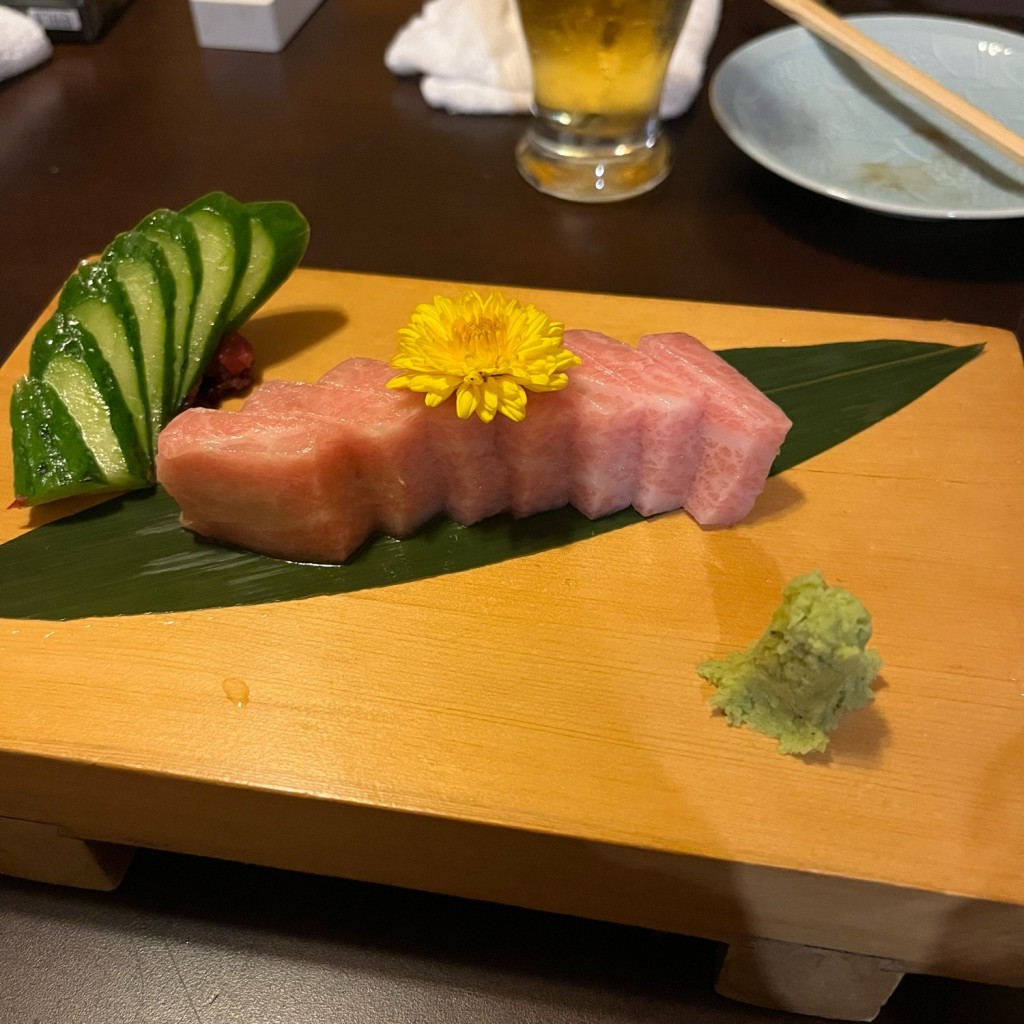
[475, 476]
[266, 482]
[460, 455]
[295, 397]
[670, 441]
[742, 429]
[607, 409]
[537, 453]
[392, 434]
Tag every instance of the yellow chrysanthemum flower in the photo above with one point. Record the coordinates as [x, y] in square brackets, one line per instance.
[488, 352]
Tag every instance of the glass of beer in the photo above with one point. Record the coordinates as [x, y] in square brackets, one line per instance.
[598, 71]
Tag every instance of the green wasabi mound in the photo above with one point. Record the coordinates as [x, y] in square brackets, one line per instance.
[809, 668]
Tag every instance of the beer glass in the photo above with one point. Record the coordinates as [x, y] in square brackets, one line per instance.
[598, 71]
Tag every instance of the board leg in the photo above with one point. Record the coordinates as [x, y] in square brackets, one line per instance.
[805, 979]
[42, 853]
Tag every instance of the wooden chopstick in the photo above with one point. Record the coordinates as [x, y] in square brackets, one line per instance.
[834, 30]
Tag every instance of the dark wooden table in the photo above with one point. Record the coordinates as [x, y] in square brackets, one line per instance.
[145, 118]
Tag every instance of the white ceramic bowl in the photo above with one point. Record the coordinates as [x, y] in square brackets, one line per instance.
[812, 115]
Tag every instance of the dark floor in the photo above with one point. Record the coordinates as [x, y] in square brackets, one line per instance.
[192, 941]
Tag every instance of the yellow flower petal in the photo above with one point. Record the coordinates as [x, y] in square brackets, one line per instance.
[466, 401]
[490, 399]
[425, 382]
[513, 401]
[488, 351]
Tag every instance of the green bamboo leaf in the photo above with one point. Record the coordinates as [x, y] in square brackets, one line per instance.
[129, 556]
[834, 391]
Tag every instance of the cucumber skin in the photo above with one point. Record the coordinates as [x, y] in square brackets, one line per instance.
[63, 335]
[136, 246]
[224, 207]
[51, 459]
[289, 230]
[97, 281]
[177, 230]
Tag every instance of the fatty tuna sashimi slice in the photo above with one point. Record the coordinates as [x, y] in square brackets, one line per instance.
[266, 482]
[401, 454]
[461, 456]
[537, 453]
[670, 440]
[741, 430]
[607, 410]
[476, 483]
[389, 432]
[295, 397]
[388, 466]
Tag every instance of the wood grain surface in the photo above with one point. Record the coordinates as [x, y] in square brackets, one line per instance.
[556, 695]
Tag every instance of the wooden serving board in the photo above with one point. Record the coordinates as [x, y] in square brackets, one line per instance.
[535, 732]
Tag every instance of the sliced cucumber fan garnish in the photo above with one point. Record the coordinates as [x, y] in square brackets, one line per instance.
[131, 336]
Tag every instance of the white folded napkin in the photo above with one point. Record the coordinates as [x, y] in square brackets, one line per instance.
[23, 43]
[474, 60]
